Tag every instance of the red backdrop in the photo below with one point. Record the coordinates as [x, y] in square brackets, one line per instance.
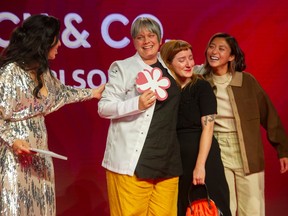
[97, 32]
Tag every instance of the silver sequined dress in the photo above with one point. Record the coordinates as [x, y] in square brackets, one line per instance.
[27, 182]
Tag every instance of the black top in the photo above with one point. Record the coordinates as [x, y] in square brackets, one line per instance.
[198, 100]
[160, 157]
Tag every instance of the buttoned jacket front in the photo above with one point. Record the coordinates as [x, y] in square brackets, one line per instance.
[129, 125]
[252, 109]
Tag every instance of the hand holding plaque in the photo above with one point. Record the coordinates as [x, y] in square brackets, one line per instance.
[153, 80]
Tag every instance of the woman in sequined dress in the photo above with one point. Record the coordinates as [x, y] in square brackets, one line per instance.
[28, 92]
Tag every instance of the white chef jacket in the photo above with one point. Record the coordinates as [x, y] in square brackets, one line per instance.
[129, 125]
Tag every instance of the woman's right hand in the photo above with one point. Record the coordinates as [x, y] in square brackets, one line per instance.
[21, 147]
[199, 175]
[97, 92]
[146, 100]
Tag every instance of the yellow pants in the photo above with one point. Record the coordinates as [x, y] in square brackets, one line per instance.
[129, 195]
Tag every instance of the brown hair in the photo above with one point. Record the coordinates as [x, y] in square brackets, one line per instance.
[168, 52]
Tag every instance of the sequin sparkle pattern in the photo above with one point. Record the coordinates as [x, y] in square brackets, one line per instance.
[27, 185]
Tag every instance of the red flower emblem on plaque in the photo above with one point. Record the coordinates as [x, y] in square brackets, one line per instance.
[153, 80]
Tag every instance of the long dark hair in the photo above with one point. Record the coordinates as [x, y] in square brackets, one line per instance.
[29, 46]
[238, 64]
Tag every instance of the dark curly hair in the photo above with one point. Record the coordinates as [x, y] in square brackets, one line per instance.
[29, 45]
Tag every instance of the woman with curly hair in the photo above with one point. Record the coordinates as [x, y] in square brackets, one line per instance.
[29, 92]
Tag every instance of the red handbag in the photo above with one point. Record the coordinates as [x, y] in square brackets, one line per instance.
[202, 207]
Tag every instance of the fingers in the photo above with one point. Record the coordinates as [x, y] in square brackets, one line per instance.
[21, 147]
[147, 99]
[283, 165]
[198, 176]
[198, 181]
[21, 150]
[97, 93]
[101, 88]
